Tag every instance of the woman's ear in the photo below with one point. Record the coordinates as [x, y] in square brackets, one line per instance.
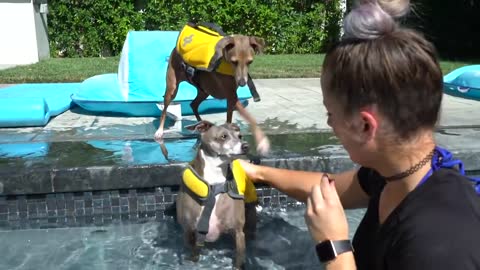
[368, 124]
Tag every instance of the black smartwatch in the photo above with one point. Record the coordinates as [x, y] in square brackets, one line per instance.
[328, 250]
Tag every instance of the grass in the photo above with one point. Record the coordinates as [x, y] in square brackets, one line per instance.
[264, 66]
[448, 66]
[60, 70]
[79, 69]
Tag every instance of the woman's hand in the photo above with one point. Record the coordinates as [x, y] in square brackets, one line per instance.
[250, 169]
[325, 216]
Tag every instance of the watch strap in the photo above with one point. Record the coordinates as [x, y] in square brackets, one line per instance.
[328, 250]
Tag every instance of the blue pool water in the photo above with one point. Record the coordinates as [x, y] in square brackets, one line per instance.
[283, 242]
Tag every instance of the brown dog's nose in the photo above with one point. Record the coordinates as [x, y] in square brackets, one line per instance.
[245, 147]
[242, 82]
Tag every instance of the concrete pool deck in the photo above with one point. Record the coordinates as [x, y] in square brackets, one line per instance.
[289, 109]
[287, 106]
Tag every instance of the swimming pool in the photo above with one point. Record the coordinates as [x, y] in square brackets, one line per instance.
[283, 242]
[98, 203]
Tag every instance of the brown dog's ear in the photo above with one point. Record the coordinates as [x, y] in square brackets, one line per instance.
[224, 45]
[201, 126]
[257, 44]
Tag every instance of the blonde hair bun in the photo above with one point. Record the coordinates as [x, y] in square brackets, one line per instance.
[396, 8]
[371, 19]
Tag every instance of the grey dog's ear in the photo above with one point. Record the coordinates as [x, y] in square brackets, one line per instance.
[224, 45]
[233, 126]
[201, 126]
[257, 44]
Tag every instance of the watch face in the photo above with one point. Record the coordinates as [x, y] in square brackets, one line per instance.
[326, 251]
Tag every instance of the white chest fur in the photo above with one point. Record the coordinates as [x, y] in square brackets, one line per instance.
[214, 171]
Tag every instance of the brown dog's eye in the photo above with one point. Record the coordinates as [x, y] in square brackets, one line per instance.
[235, 62]
[249, 62]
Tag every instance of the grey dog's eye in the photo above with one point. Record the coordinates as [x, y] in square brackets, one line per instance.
[224, 136]
[240, 136]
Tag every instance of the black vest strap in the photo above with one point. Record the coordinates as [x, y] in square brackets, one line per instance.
[229, 187]
[253, 89]
[203, 223]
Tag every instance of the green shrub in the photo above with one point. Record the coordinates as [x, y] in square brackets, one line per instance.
[164, 15]
[90, 27]
[98, 28]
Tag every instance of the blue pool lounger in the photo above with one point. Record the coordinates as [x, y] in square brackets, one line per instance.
[140, 83]
[463, 82]
[101, 94]
[33, 104]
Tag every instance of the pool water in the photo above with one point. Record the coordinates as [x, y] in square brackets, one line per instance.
[283, 242]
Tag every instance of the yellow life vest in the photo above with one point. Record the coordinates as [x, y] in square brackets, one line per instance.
[196, 45]
[240, 187]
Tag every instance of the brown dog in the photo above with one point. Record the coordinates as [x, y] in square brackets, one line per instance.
[204, 218]
[238, 51]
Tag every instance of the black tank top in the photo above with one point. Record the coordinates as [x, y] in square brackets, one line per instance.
[437, 226]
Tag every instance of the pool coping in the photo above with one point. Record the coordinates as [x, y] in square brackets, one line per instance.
[98, 178]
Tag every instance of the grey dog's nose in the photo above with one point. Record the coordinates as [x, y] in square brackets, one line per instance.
[242, 82]
[245, 147]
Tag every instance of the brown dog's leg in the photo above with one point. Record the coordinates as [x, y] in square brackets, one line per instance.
[239, 262]
[263, 144]
[201, 96]
[230, 107]
[170, 93]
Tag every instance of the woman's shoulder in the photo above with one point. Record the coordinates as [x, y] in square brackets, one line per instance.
[453, 185]
[446, 205]
[439, 222]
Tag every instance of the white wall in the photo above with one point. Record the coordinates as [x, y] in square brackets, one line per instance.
[19, 44]
[42, 33]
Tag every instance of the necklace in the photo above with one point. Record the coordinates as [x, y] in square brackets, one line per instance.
[412, 169]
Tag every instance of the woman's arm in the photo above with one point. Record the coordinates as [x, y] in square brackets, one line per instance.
[326, 220]
[344, 261]
[298, 184]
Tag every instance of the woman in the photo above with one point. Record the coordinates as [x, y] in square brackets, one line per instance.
[382, 88]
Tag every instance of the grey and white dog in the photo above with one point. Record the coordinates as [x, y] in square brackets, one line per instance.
[219, 145]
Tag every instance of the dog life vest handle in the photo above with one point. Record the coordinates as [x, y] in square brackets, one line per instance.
[211, 26]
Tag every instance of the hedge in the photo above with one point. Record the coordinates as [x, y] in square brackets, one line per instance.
[86, 28]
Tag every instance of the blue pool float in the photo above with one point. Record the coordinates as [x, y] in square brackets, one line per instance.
[101, 94]
[33, 104]
[463, 82]
[140, 83]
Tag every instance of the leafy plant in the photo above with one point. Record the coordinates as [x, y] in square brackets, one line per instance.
[80, 28]
[86, 28]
